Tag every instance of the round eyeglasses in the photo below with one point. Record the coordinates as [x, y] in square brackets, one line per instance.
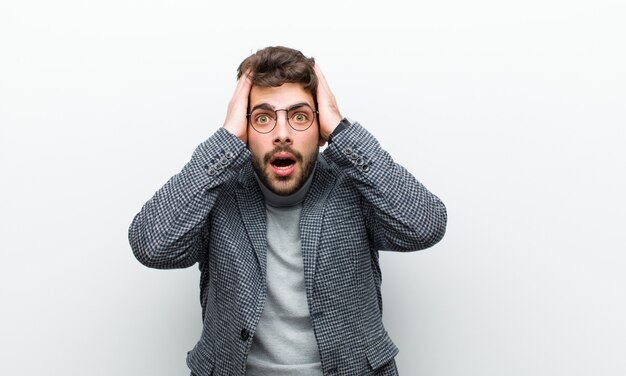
[299, 116]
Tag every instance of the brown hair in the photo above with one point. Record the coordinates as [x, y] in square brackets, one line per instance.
[274, 66]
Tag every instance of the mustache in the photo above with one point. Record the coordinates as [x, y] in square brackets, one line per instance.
[277, 149]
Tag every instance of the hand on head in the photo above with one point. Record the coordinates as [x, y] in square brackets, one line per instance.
[237, 123]
[329, 115]
[236, 117]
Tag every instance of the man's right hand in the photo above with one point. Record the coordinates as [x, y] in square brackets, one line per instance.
[236, 121]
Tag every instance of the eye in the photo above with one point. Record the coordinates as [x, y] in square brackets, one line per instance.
[300, 117]
[262, 119]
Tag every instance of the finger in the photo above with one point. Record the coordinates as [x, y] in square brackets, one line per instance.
[321, 78]
[243, 84]
[239, 100]
[324, 94]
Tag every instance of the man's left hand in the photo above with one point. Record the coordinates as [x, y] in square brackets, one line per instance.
[329, 115]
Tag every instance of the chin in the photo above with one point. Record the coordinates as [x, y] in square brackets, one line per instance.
[284, 186]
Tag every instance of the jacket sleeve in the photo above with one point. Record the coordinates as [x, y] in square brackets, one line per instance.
[166, 233]
[400, 213]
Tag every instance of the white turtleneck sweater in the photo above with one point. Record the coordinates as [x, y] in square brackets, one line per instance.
[284, 343]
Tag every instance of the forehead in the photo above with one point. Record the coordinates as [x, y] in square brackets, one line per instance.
[280, 96]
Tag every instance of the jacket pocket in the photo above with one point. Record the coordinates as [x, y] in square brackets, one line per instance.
[380, 351]
[200, 361]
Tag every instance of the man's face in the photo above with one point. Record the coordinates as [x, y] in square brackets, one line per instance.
[283, 158]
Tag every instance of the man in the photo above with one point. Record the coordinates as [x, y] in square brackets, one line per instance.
[287, 238]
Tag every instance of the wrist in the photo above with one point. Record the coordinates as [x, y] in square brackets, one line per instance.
[343, 124]
[237, 132]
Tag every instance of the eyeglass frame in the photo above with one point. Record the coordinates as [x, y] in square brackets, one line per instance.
[316, 114]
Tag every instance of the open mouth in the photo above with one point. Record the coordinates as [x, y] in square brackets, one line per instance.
[283, 163]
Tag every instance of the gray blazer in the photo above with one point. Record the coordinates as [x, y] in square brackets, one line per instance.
[360, 201]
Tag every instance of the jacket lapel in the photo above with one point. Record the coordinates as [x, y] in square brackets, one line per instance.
[252, 208]
[312, 217]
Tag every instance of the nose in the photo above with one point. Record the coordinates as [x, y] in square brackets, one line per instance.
[282, 131]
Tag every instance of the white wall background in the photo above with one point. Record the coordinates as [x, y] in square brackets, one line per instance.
[512, 112]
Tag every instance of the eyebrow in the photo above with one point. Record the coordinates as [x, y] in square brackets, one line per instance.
[267, 106]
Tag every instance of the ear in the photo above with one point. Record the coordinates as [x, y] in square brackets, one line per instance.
[322, 142]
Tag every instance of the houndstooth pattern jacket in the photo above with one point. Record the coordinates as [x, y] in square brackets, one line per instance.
[212, 213]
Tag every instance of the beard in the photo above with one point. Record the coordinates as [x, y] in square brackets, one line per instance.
[285, 185]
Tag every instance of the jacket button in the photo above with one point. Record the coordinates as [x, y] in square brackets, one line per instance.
[244, 335]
